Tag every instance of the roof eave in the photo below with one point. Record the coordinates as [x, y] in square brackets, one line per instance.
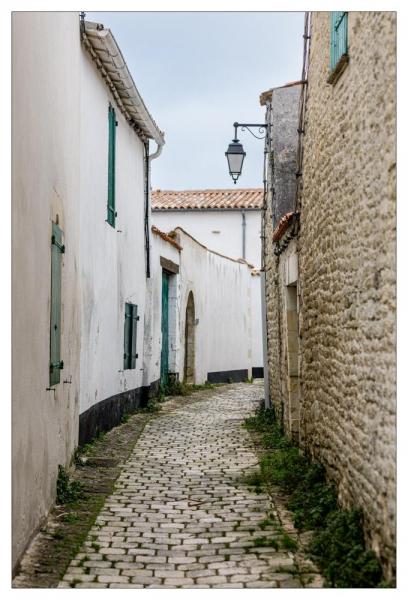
[101, 43]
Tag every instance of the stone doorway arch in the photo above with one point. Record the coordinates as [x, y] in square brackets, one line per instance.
[189, 341]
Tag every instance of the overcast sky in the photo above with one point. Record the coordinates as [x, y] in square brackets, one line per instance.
[198, 72]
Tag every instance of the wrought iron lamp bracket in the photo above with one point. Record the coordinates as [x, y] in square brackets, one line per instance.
[261, 127]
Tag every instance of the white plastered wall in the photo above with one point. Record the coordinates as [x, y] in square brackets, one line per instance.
[45, 179]
[220, 230]
[256, 315]
[112, 258]
[222, 290]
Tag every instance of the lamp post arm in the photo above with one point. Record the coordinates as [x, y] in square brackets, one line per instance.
[260, 126]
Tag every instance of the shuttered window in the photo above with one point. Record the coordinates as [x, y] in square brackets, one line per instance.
[111, 167]
[57, 249]
[338, 38]
[130, 337]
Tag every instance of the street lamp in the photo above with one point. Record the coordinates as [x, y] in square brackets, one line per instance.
[235, 153]
[235, 157]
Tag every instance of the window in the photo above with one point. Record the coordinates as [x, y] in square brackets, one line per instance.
[131, 318]
[57, 248]
[338, 44]
[111, 167]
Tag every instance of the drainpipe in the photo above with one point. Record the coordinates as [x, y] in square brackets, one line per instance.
[243, 233]
[148, 160]
[267, 152]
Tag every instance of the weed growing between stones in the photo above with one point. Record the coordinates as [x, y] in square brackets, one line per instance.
[67, 491]
[179, 388]
[337, 545]
[265, 523]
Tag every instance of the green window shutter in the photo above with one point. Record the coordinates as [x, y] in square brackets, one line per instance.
[127, 355]
[338, 37]
[135, 319]
[130, 336]
[57, 248]
[111, 167]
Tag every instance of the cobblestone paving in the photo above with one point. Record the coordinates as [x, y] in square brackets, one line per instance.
[181, 515]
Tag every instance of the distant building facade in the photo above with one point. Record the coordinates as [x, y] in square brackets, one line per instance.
[203, 306]
[330, 261]
[227, 221]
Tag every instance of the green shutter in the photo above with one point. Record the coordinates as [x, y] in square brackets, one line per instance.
[164, 368]
[338, 37]
[57, 248]
[127, 356]
[135, 319]
[111, 167]
[130, 336]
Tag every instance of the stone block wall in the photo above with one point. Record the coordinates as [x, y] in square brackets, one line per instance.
[339, 400]
[347, 270]
[282, 114]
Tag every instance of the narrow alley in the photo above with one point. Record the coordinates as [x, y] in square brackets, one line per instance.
[181, 514]
[203, 323]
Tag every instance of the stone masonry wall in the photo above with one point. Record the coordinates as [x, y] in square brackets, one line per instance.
[281, 179]
[347, 270]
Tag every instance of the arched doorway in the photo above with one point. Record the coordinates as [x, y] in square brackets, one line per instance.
[189, 344]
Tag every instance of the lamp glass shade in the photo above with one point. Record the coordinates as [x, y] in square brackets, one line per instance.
[235, 156]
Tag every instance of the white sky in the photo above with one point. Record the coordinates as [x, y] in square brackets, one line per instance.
[198, 72]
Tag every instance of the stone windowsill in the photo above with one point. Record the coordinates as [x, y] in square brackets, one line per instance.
[338, 69]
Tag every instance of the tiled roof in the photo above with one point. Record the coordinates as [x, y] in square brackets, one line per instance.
[207, 199]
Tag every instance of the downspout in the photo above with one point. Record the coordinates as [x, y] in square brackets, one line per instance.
[243, 233]
[267, 151]
[146, 216]
[148, 160]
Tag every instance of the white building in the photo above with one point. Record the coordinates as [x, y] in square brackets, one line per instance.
[227, 221]
[203, 315]
[46, 74]
[81, 249]
[115, 245]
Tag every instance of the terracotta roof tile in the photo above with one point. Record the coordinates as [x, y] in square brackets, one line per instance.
[166, 237]
[207, 199]
[282, 226]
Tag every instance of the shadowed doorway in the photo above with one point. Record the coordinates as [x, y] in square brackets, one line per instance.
[189, 349]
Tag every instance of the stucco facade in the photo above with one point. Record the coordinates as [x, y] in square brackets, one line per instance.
[45, 139]
[343, 269]
[60, 178]
[234, 232]
[225, 231]
[113, 261]
[216, 294]
[223, 311]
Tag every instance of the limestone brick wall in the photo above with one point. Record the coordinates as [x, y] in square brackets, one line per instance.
[347, 270]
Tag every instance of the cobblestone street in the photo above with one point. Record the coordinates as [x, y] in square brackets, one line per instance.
[181, 514]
